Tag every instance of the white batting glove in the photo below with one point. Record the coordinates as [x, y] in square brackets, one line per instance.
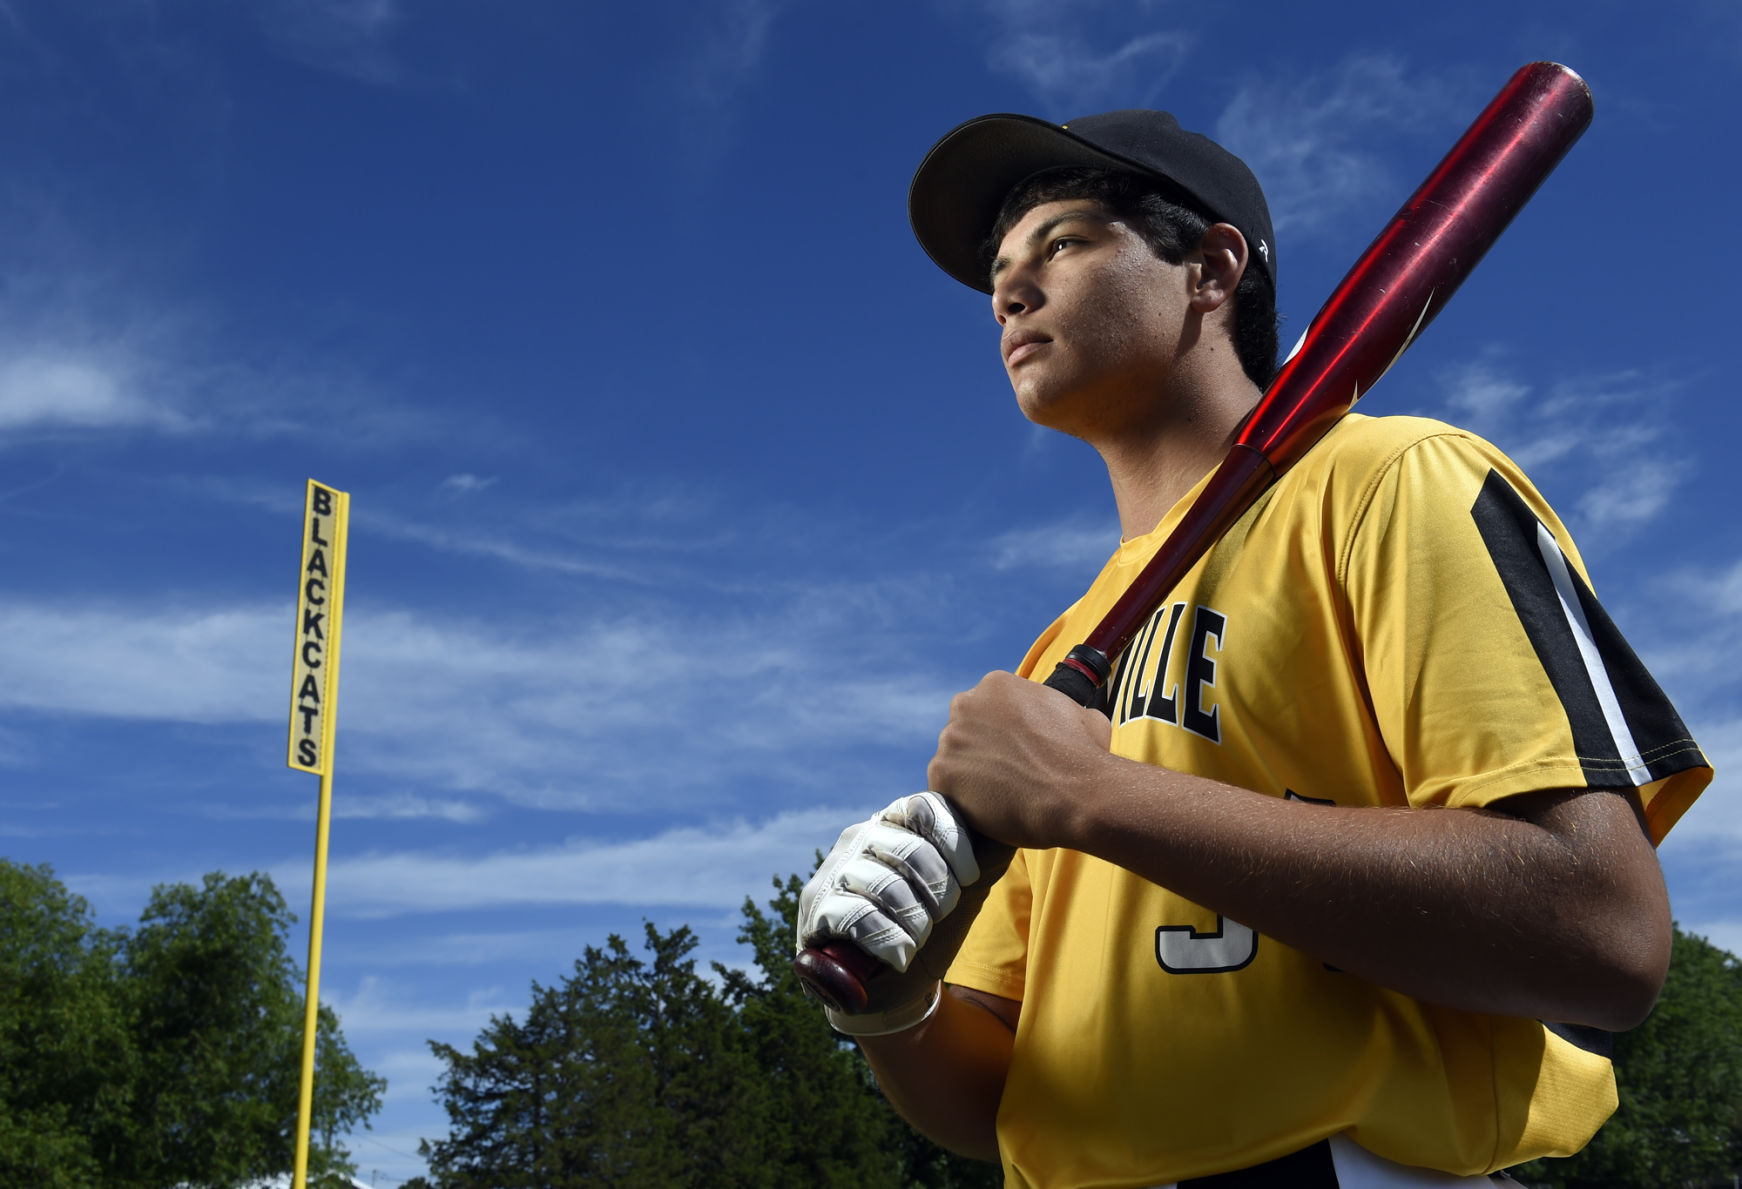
[884, 887]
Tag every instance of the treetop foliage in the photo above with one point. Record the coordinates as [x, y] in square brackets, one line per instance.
[640, 1072]
[164, 1055]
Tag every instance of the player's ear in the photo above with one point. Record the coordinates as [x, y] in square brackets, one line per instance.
[1222, 256]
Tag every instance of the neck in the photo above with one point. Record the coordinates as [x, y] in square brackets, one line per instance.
[1151, 466]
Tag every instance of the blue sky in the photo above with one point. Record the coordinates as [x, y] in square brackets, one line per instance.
[685, 491]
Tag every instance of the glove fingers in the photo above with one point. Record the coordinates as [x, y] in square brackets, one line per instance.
[892, 935]
[925, 869]
[930, 816]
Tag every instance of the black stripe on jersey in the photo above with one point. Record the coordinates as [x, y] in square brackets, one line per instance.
[1664, 742]
[1592, 1040]
[1309, 1168]
[1510, 530]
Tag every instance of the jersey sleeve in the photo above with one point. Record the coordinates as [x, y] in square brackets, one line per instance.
[994, 958]
[1492, 668]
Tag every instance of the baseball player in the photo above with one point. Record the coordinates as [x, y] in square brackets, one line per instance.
[1355, 873]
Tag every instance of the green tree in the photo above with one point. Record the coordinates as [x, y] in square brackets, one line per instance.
[831, 1126]
[636, 1072]
[66, 1053]
[1680, 1080]
[166, 1055]
[626, 1073]
[218, 1008]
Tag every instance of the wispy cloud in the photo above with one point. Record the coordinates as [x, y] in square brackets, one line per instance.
[94, 350]
[712, 866]
[1718, 592]
[196, 665]
[643, 707]
[68, 391]
[465, 484]
[390, 806]
[410, 1074]
[1314, 141]
[450, 538]
[730, 50]
[1078, 545]
[1602, 434]
[345, 37]
[463, 948]
[379, 1006]
[1072, 77]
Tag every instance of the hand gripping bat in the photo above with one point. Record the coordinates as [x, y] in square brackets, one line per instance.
[1403, 279]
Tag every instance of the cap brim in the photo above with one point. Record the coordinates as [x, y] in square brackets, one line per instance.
[961, 185]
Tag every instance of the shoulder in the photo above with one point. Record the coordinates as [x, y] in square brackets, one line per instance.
[1362, 443]
[1362, 458]
[1411, 478]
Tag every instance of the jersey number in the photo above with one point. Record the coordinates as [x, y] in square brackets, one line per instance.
[1230, 946]
[1181, 949]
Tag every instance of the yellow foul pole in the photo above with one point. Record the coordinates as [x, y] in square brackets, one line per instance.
[313, 720]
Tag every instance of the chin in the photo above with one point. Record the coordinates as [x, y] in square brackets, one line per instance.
[1049, 410]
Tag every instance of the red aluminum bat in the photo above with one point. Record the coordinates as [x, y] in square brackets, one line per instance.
[1403, 279]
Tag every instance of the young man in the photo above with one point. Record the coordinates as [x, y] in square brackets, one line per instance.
[1375, 793]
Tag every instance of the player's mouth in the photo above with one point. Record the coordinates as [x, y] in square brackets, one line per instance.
[1021, 345]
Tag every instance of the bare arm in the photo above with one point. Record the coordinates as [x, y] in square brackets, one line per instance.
[1551, 906]
[947, 1075]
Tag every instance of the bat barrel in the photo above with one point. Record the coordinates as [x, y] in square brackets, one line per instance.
[1409, 272]
[1403, 279]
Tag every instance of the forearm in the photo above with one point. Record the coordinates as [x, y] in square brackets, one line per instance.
[946, 1076]
[1479, 910]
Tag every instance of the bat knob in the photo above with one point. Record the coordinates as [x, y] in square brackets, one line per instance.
[836, 973]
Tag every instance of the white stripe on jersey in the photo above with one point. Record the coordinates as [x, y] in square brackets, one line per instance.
[1575, 613]
[1357, 1168]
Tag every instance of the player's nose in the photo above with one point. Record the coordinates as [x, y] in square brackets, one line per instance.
[1013, 293]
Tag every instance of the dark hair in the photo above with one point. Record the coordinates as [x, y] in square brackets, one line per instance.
[1170, 227]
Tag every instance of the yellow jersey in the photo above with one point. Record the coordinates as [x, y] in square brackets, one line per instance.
[1400, 620]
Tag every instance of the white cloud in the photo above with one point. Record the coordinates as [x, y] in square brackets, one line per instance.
[1311, 141]
[1079, 545]
[1718, 593]
[1601, 435]
[410, 1073]
[365, 806]
[346, 37]
[653, 706]
[466, 484]
[66, 390]
[491, 544]
[1482, 393]
[195, 665]
[713, 866]
[731, 51]
[378, 1006]
[1072, 78]
[491, 948]
[1630, 497]
[91, 351]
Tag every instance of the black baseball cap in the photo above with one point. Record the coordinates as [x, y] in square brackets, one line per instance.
[962, 183]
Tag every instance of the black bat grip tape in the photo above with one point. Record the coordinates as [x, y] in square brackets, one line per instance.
[1073, 681]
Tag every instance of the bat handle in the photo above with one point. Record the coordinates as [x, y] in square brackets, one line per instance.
[836, 973]
[1081, 676]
